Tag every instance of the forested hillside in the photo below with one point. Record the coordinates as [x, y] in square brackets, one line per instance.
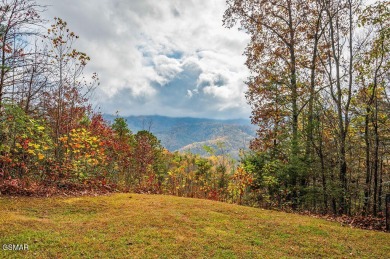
[318, 89]
[192, 134]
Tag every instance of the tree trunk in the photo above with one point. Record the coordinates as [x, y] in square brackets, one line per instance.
[376, 158]
[366, 204]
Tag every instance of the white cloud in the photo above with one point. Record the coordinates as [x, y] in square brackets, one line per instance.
[167, 68]
[168, 57]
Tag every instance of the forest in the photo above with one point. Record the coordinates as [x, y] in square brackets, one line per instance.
[319, 93]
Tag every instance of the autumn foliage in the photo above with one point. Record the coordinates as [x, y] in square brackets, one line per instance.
[319, 92]
[322, 114]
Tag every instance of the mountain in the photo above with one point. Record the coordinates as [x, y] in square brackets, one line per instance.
[191, 134]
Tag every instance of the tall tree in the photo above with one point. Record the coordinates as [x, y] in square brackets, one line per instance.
[277, 55]
[17, 17]
[374, 71]
[65, 103]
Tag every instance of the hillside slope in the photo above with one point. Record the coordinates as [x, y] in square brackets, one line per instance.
[191, 134]
[150, 226]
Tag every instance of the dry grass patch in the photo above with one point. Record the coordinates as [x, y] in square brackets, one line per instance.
[148, 226]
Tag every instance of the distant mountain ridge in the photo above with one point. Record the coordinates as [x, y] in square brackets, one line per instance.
[191, 134]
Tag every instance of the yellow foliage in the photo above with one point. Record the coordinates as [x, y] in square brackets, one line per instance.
[84, 151]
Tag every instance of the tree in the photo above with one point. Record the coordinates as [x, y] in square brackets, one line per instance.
[66, 101]
[373, 74]
[17, 17]
[317, 81]
[277, 55]
[121, 128]
[148, 154]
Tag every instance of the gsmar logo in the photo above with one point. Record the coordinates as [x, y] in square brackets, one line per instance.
[15, 247]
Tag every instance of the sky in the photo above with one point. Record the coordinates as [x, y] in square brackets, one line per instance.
[160, 57]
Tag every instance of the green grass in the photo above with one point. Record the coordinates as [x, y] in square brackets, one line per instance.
[153, 226]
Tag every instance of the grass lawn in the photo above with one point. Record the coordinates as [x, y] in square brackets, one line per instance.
[154, 226]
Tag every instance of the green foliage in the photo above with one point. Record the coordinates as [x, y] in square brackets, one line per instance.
[25, 145]
[209, 150]
[120, 127]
